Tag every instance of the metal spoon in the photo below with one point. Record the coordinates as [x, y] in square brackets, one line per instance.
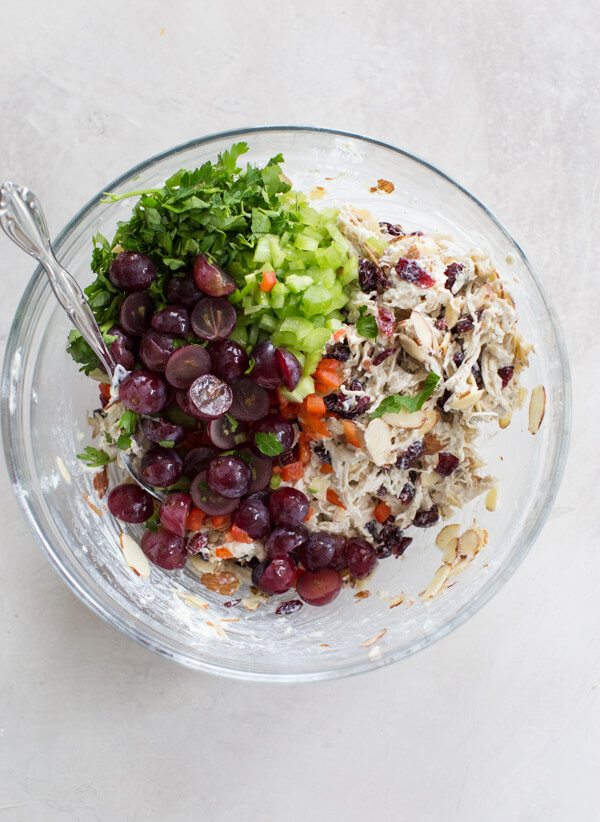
[23, 220]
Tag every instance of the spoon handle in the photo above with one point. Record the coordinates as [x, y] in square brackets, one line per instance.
[23, 220]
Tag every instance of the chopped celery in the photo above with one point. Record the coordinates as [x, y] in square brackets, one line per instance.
[311, 362]
[268, 323]
[239, 335]
[305, 387]
[298, 282]
[278, 295]
[350, 271]
[377, 244]
[316, 340]
[316, 300]
[253, 335]
[262, 253]
[310, 231]
[305, 243]
[277, 255]
[333, 323]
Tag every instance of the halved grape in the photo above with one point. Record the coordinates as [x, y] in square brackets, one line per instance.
[208, 500]
[252, 516]
[183, 291]
[275, 577]
[266, 370]
[132, 271]
[213, 318]
[174, 511]
[186, 364]
[289, 506]
[159, 430]
[262, 470]
[210, 397]
[229, 476]
[123, 347]
[250, 401]
[164, 549]
[155, 349]
[135, 314]
[144, 392]
[174, 319]
[319, 551]
[339, 562]
[278, 427]
[361, 557]
[198, 544]
[184, 404]
[226, 432]
[161, 467]
[319, 588]
[211, 278]
[283, 540]
[291, 370]
[131, 503]
[197, 460]
[229, 360]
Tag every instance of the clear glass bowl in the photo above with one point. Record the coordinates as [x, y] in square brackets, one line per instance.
[45, 402]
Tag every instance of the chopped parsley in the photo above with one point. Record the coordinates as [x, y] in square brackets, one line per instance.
[269, 444]
[395, 402]
[95, 457]
[366, 325]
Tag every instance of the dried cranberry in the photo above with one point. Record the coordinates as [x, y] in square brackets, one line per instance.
[458, 358]
[506, 374]
[289, 607]
[407, 494]
[339, 351]
[372, 527]
[383, 355]
[391, 229]
[382, 491]
[361, 406]
[409, 457]
[463, 325]
[443, 399]
[446, 463]
[369, 275]
[287, 458]
[386, 321]
[476, 371]
[356, 385]
[391, 541]
[440, 324]
[232, 603]
[416, 234]
[402, 546]
[450, 274]
[346, 407]
[322, 453]
[412, 272]
[426, 518]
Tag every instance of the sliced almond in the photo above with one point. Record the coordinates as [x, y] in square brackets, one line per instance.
[462, 563]
[422, 330]
[406, 419]
[482, 536]
[468, 543]
[451, 313]
[412, 349]
[372, 640]
[449, 553]
[537, 407]
[378, 441]
[63, 471]
[134, 556]
[432, 418]
[193, 600]
[251, 604]
[447, 535]
[429, 479]
[434, 587]
[202, 566]
[491, 499]
[504, 422]
[467, 400]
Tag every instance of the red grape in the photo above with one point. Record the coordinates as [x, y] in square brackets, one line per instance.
[319, 588]
[131, 503]
[183, 291]
[208, 500]
[283, 540]
[266, 370]
[164, 549]
[250, 401]
[212, 279]
[252, 516]
[122, 348]
[185, 365]
[229, 476]
[291, 370]
[174, 319]
[229, 360]
[197, 460]
[135, 314]
[226, 432]
[209, 397]
[319, 551]
[132, 271]
[361, 557]
[155, 349]
[276, 425]
[161, 467]
[198, 544]
[144, 392]
[262, 470]
[174, 511]
[159, 430]
[213, 318]
[277, 576]
[289, 507]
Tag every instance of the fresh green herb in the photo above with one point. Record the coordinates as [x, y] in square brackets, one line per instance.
[269, 444]
[395, 402]
[108, 438]
[366, 325]
[167, 443]
[94, 457]
[250, 365]
[82, 352]
[128, 422]
[123, 442]
[246, 457]
[153, 523]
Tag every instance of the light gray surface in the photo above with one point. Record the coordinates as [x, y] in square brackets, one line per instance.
[500, 721]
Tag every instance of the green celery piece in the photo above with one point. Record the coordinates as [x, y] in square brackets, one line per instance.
[328, 213]
[299, 355]
[277, 255]
[305, 243]
[318, 321]
[333, 323]
[311, 362]
[262, 253]
[261, 297]
[299, 327]
[239, 335]
[278, 295]
[316, 300]
[336, 255]
[296, 265]
[268, 323]
[305, 387]
[253, 335]
[311, 231]
[286, 338]
[298, 282]
[250, 279]
[350, 271]
[316, 340]
[175, 415]
[336, 234]
[377, 244]
[249, 310]
[310, 216]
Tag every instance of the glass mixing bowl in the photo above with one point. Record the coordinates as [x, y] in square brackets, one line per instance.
[46, 401]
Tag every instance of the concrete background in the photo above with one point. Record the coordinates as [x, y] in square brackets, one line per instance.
[501, 720]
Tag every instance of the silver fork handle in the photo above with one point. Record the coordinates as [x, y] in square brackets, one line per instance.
[23, 220]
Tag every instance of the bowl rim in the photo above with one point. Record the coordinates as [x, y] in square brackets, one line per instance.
[195, 663]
